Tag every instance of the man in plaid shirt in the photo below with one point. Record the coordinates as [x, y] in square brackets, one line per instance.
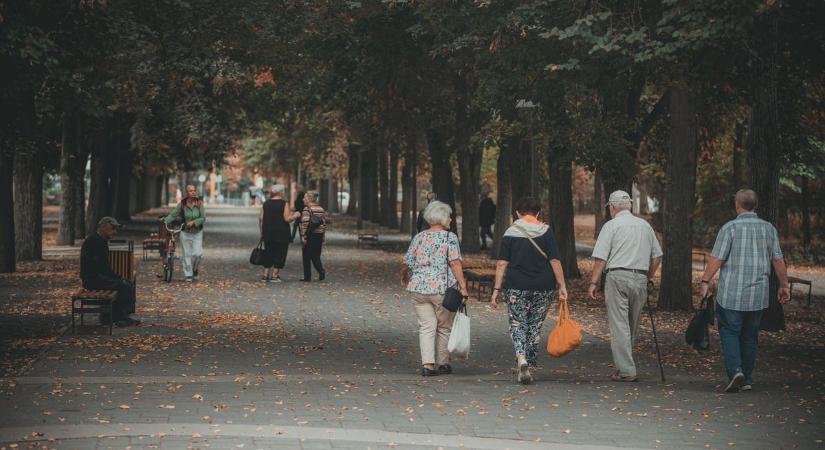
[745, 250]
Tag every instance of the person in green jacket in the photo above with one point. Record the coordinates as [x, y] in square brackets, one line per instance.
[191, 212]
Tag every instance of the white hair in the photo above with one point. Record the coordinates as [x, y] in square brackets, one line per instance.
[277, 189]
[311, 196]
[622, 204]
[438, 213]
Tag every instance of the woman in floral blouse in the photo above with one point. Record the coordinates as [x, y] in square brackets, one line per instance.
[431, 265]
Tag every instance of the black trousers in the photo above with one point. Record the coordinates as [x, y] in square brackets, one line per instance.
[275, 254]
[486, 230]
[125, 302]
[312, 253]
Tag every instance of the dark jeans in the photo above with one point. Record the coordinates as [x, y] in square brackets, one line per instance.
[125, 302]
[739, 333]
[486, 230]
[312, 253]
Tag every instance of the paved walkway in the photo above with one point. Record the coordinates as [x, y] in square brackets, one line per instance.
[230, 362]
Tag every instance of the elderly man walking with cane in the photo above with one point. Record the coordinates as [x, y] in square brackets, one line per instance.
[629, 254]
[745, 250]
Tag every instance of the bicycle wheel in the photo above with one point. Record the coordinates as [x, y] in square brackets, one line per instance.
[167, 270]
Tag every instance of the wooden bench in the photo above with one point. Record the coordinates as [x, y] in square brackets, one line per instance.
[704, 258]
[367, 239]
[797, 280]
[122, 262]
[156, 241]
[89, 301]
[481, 278]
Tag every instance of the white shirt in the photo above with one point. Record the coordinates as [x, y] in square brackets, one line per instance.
[627, 242]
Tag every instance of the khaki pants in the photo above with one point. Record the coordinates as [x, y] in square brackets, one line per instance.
[625, 294]
[434, 326]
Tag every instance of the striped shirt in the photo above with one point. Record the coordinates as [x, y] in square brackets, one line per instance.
[746, 246]
[314, 211]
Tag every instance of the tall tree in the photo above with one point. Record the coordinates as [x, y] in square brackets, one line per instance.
[675, 292]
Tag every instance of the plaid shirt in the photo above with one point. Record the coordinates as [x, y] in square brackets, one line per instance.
[746, 245]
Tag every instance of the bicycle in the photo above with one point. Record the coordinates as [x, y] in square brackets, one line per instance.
[168, 253]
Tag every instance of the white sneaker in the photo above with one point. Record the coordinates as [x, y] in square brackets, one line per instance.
[746, 388]
[735, 383]
[188, 279]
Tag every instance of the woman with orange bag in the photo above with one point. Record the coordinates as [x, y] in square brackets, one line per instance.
[528, 281]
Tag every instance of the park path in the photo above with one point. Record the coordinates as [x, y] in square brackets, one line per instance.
[230, 362]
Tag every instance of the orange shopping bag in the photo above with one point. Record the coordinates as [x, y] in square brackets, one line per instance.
[566, 336]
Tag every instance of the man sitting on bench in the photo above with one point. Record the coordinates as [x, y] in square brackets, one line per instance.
[96, 274]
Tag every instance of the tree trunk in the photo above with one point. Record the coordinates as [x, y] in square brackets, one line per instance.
[406, 195]
[98, 184]
[392, 193]
[441, 175]
[28, 205]
[384, 183]
[68, 181]
[738, 152]
[560, 210]
[598, 202]
[469, 168]
[7, 236]
[504, 207]
[374, 180]
[517, 153]
[80, 194]
[805, 208]
[123, 185]
[763, 154]
[352, 177]
[677, 263]
[413, 187]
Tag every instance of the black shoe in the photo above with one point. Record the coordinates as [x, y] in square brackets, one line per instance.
[322, 275]
[445, 369]
[132, 321]
[123, 323]
[425, 372]
[306, 279]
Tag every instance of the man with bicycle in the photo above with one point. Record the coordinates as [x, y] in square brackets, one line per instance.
[96, 274]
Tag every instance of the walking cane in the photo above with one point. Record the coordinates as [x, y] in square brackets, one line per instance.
[655, 339]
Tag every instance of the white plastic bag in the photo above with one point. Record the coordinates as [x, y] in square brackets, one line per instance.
[459, 343]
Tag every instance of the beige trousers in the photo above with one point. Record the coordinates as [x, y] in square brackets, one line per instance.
[434, 326]
[625, 294]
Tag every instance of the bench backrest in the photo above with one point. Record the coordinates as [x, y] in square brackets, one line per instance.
[122, 258]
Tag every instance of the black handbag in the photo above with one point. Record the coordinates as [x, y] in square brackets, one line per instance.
[452, 296]
[257, 256]
[697, 335]
[452, 299]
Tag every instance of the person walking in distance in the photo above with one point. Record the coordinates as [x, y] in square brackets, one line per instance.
[314, 223]
[745, 250]
[191, 212]
[273, 222]
[486, 219]
[629, 254]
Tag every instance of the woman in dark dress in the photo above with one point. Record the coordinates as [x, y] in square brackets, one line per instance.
[274, 225]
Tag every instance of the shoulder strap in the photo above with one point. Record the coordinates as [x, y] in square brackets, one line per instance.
[532, 241]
